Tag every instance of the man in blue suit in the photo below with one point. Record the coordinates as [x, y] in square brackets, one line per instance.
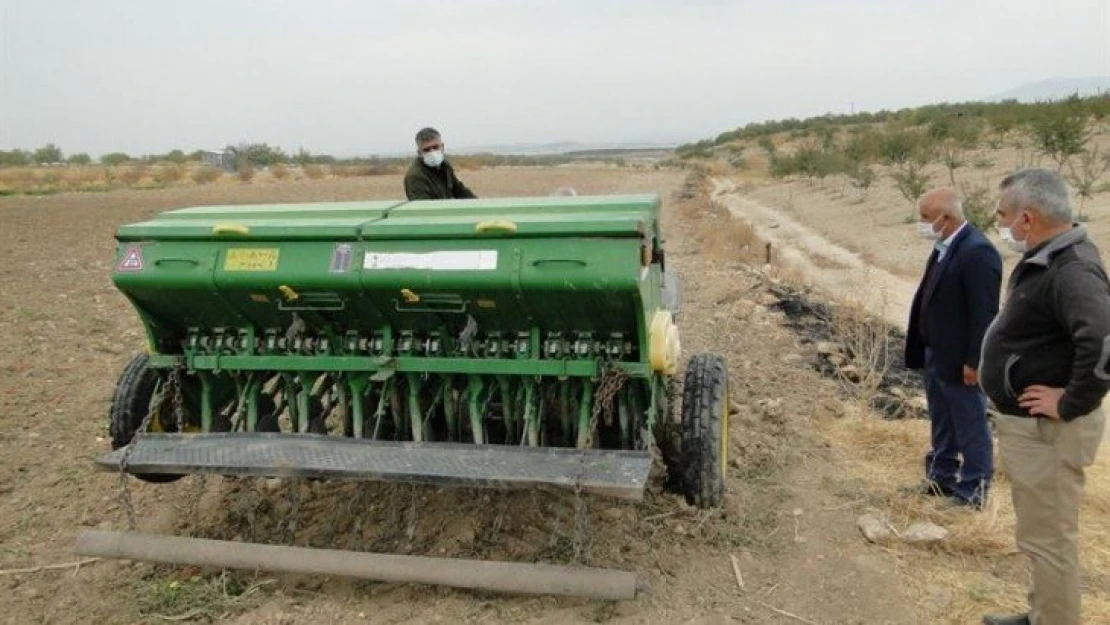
[953, 306]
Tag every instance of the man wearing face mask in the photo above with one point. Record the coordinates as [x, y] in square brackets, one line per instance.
[1039, 369]
[954, 304]
[431, 177]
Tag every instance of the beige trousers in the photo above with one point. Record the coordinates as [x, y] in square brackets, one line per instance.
[1044, 460]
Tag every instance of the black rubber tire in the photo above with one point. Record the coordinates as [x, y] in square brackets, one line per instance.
[130, 403]
[705, 430]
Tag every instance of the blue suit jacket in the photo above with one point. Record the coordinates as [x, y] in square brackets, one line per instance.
[955, 306]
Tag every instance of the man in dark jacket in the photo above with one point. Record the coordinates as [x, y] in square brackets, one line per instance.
[1040, 369]
[431, 177]
[952, 308]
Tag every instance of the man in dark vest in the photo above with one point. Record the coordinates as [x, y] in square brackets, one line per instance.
[953, 306]
[1044, 368]
[431, 177]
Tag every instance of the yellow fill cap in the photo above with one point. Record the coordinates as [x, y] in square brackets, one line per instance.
[664, 346]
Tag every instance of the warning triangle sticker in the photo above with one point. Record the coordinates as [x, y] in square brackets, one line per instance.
[132, 260]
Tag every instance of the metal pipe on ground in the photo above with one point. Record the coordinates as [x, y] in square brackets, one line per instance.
[507, 577]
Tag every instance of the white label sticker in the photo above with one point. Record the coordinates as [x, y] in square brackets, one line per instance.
[478, 260]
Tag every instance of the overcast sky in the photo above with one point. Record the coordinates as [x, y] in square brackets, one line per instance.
[360, 77]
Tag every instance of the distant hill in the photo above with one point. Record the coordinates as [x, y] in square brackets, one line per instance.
[557, 148]
[1054, 89]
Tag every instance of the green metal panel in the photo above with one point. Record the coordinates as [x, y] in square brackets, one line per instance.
[401, 364]
[424, 321]
[606, 216]
[280, 211]
[568, 265]
[331, 221]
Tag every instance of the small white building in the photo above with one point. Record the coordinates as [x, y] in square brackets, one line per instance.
[218, 158]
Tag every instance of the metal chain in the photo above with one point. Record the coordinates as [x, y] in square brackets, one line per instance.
[178, 402]
[612, 381]
[173, 385]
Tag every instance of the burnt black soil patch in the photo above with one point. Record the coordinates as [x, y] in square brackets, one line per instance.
[817, 323]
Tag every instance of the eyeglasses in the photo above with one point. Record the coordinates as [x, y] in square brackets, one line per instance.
[431, 148]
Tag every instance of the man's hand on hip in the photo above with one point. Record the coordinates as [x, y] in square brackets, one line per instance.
[971, 376]
[1042, 401]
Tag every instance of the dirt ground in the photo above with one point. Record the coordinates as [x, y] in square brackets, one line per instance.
[865, 251]
[795, 485]
[879, 225]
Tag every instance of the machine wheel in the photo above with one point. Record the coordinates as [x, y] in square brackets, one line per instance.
[705, 430]
[130, 404]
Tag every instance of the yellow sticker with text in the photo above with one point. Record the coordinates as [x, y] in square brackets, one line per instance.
[251, 259]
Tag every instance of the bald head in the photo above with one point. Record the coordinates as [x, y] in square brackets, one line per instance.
[942, 201]
[943, 208]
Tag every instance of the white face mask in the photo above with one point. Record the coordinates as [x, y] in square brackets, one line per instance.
[1007, 236]
[433, 158]
[928, 230]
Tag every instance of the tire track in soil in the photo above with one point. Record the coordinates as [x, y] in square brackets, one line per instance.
[825, 265]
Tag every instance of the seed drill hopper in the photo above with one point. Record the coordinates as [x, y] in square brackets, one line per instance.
[508, 343]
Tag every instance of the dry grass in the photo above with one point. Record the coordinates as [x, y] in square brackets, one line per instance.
[279, 171]
[979, 567]
[718, 234]
[313, 172]
[206, 174]
[867, 349]
[169, 173]
[245, 173]
[131, 175]
[349, 171]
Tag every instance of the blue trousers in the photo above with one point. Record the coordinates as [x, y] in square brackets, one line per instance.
[961, 459]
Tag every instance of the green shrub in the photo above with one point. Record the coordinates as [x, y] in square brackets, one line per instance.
[1061, 133]
[177, 156]
[782, 166]
[910, 181]
[898, 147]
[48, 153]
[768, 144]
[113, 159]
[952, 155]
[14, 158]
[863, 146]
[978, 205]
[862, 178]
[1084, 178]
